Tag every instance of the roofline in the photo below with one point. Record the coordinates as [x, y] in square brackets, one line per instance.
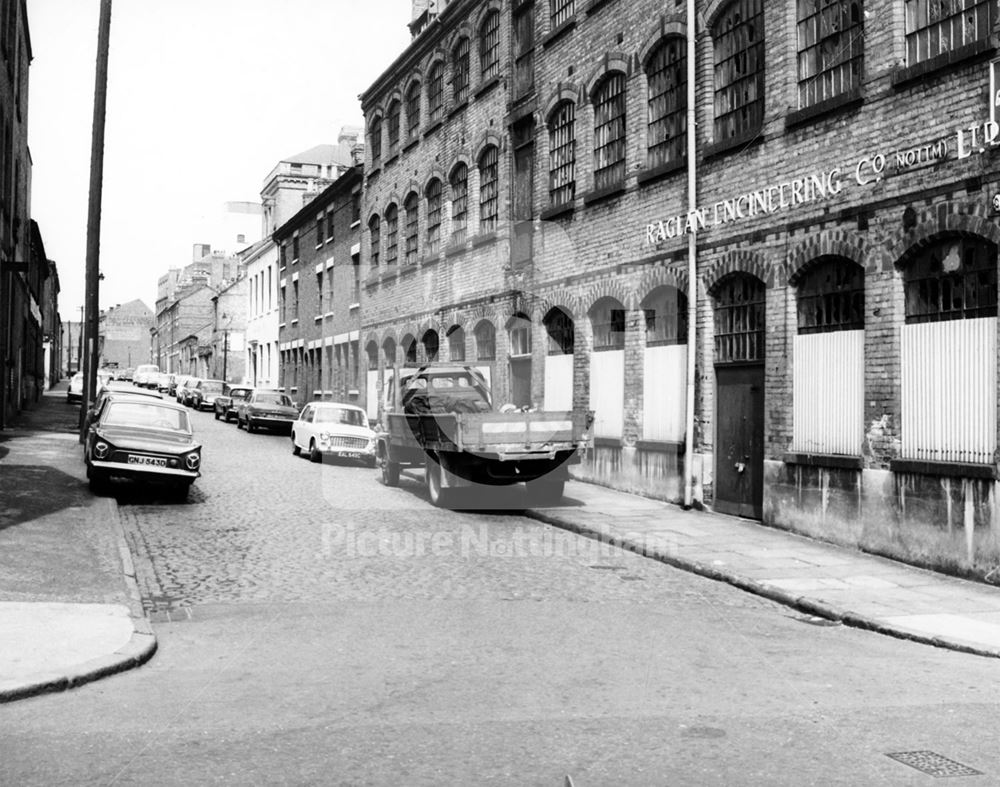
[304, 214]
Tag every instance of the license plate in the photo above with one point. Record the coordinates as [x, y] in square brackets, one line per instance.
[147, 460]
[350, 454]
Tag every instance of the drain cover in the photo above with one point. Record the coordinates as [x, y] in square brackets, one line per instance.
[932, 763]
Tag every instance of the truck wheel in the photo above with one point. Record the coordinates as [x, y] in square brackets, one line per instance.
[546, 491]
[390, 471]
[435, 491]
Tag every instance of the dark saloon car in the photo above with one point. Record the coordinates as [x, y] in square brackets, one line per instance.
[264, 409]
[225, 405]
[144, 439]
[204, 392]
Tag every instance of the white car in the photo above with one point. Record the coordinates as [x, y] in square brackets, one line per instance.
[335, 430]
[145, 375]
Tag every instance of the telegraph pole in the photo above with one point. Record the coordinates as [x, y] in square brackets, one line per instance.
[94, 213]
[225, 354]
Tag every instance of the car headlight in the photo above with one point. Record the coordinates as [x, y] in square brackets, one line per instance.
[102, 450]
[192, 460]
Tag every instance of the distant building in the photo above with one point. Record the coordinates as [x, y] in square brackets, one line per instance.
[226, 359]
[124, 335]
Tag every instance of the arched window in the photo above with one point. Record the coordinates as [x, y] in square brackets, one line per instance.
[431, 344]
[519, 357]
[609, 131]
[562, 154]
[412, 208]
[413, 110]
[934, 28]
[489, 46]
[561, 11]
[376, 239]
[519, 334]
[739, 320]
[460, 70]
[489, 201]
[607, 318]
[561, 332]
[738, 37]
[665, 313]
[434, 216]
[392, 120]
[456, 343]
[389, 351]
[435, 93]
[831, 47]
[375, 139]
[666, 72]
[409, 345]
[831, 297]
[952, 279]
[486, 341]
[459, 203]
[371, 350]
[391, 234]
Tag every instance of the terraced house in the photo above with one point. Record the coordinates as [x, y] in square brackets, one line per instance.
[785, 211]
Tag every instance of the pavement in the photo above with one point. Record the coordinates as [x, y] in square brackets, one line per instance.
[71, 612]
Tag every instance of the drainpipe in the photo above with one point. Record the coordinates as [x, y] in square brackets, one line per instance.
[692, 172]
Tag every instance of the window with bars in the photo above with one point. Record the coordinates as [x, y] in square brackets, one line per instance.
[329, 224]
[432, 344]
[392, 121]
[562, 154]
[391, 234]
[489, 46]
[413, 110]
[738, 37]
[433, 216]
[456, 343]
[561, 332]
[607, 319]
[375, 139]
[953, 279]
[524, 49]
[561, 11]
[831, 297]
[739, 320]
[665, 313]
[934, 27]
[609, 131]
[489, 189]
[831, 47]
[666, 73]
[460, 70]
[519, 335]
[374, 230]
[409, 349]
[435, 93]
[486, 341]
[459, 203]
[412, 241]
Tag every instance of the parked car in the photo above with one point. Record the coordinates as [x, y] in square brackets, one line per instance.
[204, 393]
[163, 382]
[184, 389]
[144, 374]
[115, 388]
[266, 409]
[75, 391]
[143, 439]
[225, 405]
[335, 430]
[126, 374]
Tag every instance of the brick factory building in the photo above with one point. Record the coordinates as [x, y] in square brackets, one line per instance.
[529, 207]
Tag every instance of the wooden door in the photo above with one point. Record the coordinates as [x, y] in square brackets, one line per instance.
[739, 440]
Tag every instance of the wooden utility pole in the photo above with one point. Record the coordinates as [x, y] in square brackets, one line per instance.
[91, 351]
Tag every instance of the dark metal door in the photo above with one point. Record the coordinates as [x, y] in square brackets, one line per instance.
[739, 449]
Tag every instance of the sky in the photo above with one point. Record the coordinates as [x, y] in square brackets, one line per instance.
[204, 98]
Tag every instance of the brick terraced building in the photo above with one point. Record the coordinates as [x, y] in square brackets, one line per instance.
[527, 208]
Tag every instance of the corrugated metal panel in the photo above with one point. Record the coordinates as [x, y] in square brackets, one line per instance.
[558, 382]
[664, 393]
[949, 390]
[371, 396]
[828, 393]
[607, 392]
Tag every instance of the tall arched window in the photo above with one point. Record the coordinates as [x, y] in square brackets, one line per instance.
[738, 37]
[519, 344]
[413, 110]
[433, 216]
[412, 208]
[489, 46]
[562, 154]
[609, 131]
[831, 47]
[389, 351]
[375, 139]
[607, 318]
[460, 70]
[392, 121]
[456, 343]
[435, 93]
[486, 341]
[431, 344]
[489, 192]
[409, 346]
[391, 234]
[375, 234]
[666, 72]
[558, 373]
[607, 367]
[459, 203]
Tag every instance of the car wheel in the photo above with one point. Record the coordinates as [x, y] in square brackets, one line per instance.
[98, 481]
[180, 491]
[296, 451]
[390, 472]
[250, 426]
[432, 477]
[239, 423]
[315, 455]
[216, 415]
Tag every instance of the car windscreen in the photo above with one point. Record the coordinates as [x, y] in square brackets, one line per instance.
[331, 415]
[273, 398]
[140, 414]
[211, 387]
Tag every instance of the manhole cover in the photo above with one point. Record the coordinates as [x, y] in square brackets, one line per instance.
[932, 763]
